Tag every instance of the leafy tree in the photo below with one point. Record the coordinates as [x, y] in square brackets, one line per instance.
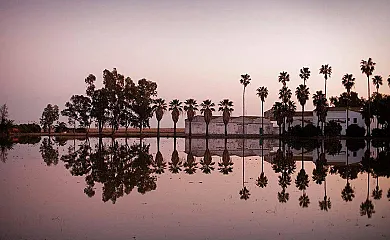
[49, 116]
[78, 109]
[190, 107]
[351, 100]
[245, 80]
[262, 93]
[5, 123]
[99, 108]
[327, 71]
[304, 74]
[302, 93]
[332, 128]
[159, 107]
[176, 108]
[127, 114]
[367, 68]
[226, 107]
[142, 105]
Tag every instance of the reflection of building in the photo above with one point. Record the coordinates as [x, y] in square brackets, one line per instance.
[234, 127]
[234, 146]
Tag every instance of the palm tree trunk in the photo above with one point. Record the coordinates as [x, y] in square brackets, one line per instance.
[207, 130]
[158, 129]
[303, 109]
[174, 129]
[325, 86]
[243, 113]
[369, 106]
[262, 118]
[190, 128]
[225, 130]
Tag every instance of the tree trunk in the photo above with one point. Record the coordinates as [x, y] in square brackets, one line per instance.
[347, 120]
[207, 129]
[174, 130]
[325, 85]
[369, 107]
[225, 130]
[303, 123]
[158, 129]
[262, 118]
[243, 113]
[190, 127]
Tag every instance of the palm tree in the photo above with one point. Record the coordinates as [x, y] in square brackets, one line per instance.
[304, 74]
[245, 80]
[388, 80]
[368, 67]
[284, 77]
[160, 107]
[226, 107]
[321, 107]
[278, 112]
[176, 108]
[302, 93]
[190, 107]
[207, 110]
[262, 92]
[348, 81]
[327, 71]
[377, 81]
[290, 112]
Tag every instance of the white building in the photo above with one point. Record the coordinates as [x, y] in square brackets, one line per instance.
[234, 127]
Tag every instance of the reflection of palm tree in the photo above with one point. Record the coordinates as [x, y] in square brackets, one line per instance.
[302, 181]
[175, 107]
[244, 193]
[388, 194]
[226, 107]
[226, 166]
[5, 146]
[377, 192]
[304, 200]
[159, 163]
[190, 164]
[262, 180]
[207, 161]
[190, 107]
[325, 204]
[160, 107]
[262, 92]
[245, 80]
[367, 208]
[175, 164]
[348, 193]
[207, 110]
[283, 196]
[368, 67]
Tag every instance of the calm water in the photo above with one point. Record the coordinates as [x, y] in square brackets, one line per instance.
[194, 189]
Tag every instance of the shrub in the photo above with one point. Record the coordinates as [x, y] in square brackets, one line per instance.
[311, 131]
[377, 132]
[60, 128]
[29, 128]
[332, 128]
[354, 130]
[296, 131]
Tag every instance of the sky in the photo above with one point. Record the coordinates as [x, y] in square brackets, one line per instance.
[191, 49]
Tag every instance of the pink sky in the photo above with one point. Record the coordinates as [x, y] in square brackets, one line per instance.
[194, 49]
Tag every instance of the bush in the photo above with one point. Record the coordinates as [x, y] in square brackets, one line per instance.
[81, 130]
[377, 132]
[29, 128]
[332, 128]
[60, 128]
[311, 131]
[296, 131]
[355, 144]
[354, 130]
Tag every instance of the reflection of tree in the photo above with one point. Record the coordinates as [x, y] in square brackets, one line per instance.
[332, 146]
[190, 165]
[119, 168]
[284, 164]
[244, 193]
[348, 194]
[320, 171]
[207, 161]
[159, 164]
[325, 204]
[366, 207]
[5, 146]
[226, 166]
[304, 200]
[49, 154]
[262, 180]
[377, 192]
[175, 164]
[388, 194]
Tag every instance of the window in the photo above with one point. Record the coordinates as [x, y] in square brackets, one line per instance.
[354, 120]
[348, 120]
[354, 154]
[261, 131]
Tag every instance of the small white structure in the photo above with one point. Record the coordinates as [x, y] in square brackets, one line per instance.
[234, 127]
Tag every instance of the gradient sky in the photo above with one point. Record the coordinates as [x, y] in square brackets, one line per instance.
[194, 49]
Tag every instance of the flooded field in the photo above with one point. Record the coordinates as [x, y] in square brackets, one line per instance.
[195, 189]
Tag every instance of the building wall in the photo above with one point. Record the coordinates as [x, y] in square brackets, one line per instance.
[217, 127]
[340, 117]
